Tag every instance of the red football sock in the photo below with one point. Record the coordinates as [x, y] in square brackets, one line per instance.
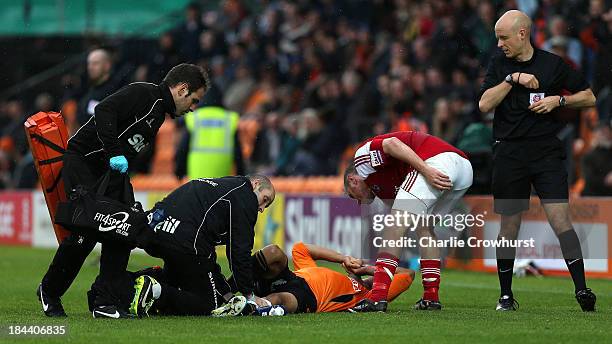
[385, 269]
[430, 273]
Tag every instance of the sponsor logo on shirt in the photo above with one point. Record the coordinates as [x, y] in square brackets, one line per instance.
[137, 142]
[207, 181]
[356, 286]
[376, 158]
[169, 225]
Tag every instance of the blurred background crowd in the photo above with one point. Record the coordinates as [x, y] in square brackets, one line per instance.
[311, 79]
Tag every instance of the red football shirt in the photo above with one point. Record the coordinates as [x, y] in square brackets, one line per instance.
[385, 174]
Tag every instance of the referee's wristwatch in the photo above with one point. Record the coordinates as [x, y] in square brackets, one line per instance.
[509, 80]
[562, 101]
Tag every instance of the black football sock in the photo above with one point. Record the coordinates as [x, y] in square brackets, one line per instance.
[505, 266]
[572, 252]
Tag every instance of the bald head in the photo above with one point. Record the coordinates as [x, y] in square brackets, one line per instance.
[263, 189]
[99, 55]
[99, 65]
[514, 20]
[512, 31]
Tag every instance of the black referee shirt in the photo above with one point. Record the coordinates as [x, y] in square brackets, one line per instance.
[513, 120]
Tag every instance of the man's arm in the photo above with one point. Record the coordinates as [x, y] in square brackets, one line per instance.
[401, 151]
[242, 236]
[106, 117]
[580, 99]
[491, 98]
[577, 100]
[322, 253]
[570, 79]
[369, 270]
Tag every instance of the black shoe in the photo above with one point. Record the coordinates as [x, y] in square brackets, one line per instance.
[111, 312]
[427, 305]
[586, 299]
[507, 303]
[367, 305]
[52, 306]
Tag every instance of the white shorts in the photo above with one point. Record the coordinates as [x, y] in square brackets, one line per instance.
[416, 196]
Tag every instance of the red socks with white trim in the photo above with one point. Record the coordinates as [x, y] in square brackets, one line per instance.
[430, 274]
[385, 269]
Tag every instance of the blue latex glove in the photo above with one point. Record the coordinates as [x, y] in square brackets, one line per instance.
[119, 163]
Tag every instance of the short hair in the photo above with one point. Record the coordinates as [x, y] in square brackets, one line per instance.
[263, 181]
[194, 76]
[350, 169]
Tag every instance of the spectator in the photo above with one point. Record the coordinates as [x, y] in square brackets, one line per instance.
[268, 145]
[559, 36]
[100, 84]
[5, 171]
[189, 32]
[597, 165]
[238, 92]
[289, 145]
[44, 102]
[16, 145]
[322, 146]
[166, 57]
[445, 124]
[482, 33]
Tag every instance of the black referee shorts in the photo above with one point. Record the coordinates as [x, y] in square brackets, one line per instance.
[517, 165]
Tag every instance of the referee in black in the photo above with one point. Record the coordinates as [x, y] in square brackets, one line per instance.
[524, 86]
[124, 125]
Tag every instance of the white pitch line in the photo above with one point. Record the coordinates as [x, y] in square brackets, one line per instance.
[542, 290]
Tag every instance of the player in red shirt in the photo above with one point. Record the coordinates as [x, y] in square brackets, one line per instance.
[412, 173]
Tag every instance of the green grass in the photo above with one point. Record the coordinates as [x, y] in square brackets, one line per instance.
[548, 313]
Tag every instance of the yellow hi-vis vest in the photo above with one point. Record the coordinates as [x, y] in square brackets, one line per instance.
[211, 146]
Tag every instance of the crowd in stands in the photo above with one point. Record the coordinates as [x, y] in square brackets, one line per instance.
[310, 79]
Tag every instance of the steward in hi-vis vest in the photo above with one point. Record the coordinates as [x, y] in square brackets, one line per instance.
[213, 143]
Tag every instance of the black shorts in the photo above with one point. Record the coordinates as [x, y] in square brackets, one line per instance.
[517, 165]
[296, 286]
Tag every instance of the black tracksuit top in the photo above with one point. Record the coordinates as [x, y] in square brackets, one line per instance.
[205, 213]
[125, 122]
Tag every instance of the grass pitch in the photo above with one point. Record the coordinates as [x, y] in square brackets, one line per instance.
[548, 313]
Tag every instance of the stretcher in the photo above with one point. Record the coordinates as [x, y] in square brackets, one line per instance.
[48, 138]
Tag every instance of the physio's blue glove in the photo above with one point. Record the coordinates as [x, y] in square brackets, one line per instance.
[119, 163]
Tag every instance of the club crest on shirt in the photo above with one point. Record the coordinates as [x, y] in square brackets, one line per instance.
[376, 158]
[535, 97]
